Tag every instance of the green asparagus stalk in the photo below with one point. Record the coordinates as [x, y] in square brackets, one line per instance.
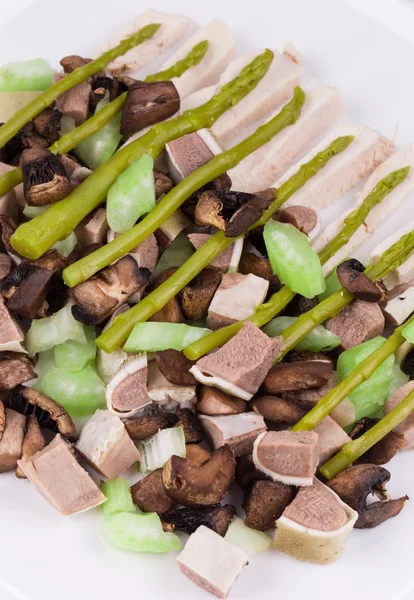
[267, 311]
[34, 238]
[353, 450]
[70, 140]
[84, 268]
[24, 115]
[116, 335]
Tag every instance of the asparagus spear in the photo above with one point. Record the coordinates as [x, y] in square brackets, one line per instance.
[84, 268]
[24, 115]
[34, 238]
[116, 335]
[353, 450]
[70, 140]
[266, 312]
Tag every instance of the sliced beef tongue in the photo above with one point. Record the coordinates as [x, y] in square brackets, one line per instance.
[237, 431]
[75, 102]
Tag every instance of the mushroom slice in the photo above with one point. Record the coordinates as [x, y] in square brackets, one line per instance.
[356, 483]
[260, 266]
[201, 485]
[237, 431]
[44, 177]
[49, 413]
[75, 102]
[240, 366]
[47, 124]
[398, 309]
[150, 496]
[11, 335]
[163, 183]
[315, 525]
[357, 323]
[188, 420]
[33, 442]
[14, 369]
[278, 410]
[163, 392]
[247, 473]
[331, 438]
[228, 260]
[249, 213]
[175, 367]
[384, 450]
[187, 154]
[7, 228]
[303, 218]
[127, 393]
[92, 229]
[406, 427]
[290, 457]
[298, 376]
[171, 312]
[5, 266]
[208, 211]
[217, 518]
[235, 299]
[196, 297]
[264, 503]
[98, 297]
[351, 276]
[105, 444]
[72, 62]
[196, 455]
[145, 426]
[11, 444]
[211, 562]
[212, 401]
[147, 104]
[60, 479]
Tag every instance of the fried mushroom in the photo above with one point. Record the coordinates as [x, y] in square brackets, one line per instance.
[351, 276]
[217, 518]
[175, 367]
[212, 401]
[148, 103]
[33, 442]
[384, 450]
[264, 502]
[45, 179]
[196, 297]
[150, 496]
[145, 426]
[298, 375]
[193, 432]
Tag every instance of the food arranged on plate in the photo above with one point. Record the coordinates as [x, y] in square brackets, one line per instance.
[165, 275]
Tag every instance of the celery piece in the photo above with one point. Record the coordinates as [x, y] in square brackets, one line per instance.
[79, 392]
[138, 533]
[26, 76]
[176, 254]
[408, 332]
[67, 245]
[332, 286]
[154, 336]
[293, 260]
[132, 195]
[370, 396]
[74, 356]
[33, 211]
[318, 340]
[247, 539]
[46, 333]
[119, 499]
[160, 447]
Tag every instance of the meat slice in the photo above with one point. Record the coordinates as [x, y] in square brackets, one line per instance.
[235, 299]
[368, 150]
[11, 444]
[127, 393]
[356, 323]
[93, 229]
[226, 260]
[14, 369]
[406, 428]
[11, 334]
[241, 365]
[331, 438]
[105, 444]
[404, 274]
[323, 107]
[57, 475]
[75, 102]
[289, 457]
[237, 431]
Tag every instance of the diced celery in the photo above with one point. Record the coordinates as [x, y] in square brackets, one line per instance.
[79, 392]
[408, 332]
[332, 286]
[293, 260]
[176, 254]
[119, 499]
[132, 195]
[67, 245]
[318, 340]
[399, 378]
[249, 540]
[33, 211]
[160, 447]
[154, 336]
[370, 396]
[138, 533]
[74, 356]
[26, 76]
[46, 333]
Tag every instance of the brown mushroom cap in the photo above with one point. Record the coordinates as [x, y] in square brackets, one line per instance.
[175, 367]
[265, 502]
[303, 218]
[15, 368]
[45, 179]
[193, 432]
[249, 213]
[145, 426]
[198, 294]
[73, 61]
[384, 450]
[278, 410]
[33, 442]
[247, 472]
[208, 211]
[163, 183]
[196, 455]
[378, 512]
[47, 124]
[298, 375]
[200, 485]
[212, 401]
[217, 518]
[351, 276]
[149, 494]
[49, 413]
[7, 228]
[148, 103]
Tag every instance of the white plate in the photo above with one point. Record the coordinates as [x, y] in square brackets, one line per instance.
[44, 556]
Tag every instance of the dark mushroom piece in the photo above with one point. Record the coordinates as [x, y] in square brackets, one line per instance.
[199, 485]
[196, 455]
[150, 496]
[45, 179]
[98, 297]
[73, 61]
[300, 305]
[7, 228]
[47, 124]
[384, 450]
[351, 277]
[247, 472]
[27, 137]
[145, 426]
[33, 442]
[11, 442]
[278, 410]
[260, 266]
[249, 213]
[148, 103]
[217, 518]
[298, 376]
[102, 87]
[15, 369]
[193, 431]
[303, 218]
[208, 211]
[212, 401]
[172, 311]
[163, 183]
[265, 502]
[175, 367]
[356, 483]
[198, 294]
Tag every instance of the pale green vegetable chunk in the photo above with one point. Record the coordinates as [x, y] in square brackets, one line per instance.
[26, 76]
[67, 245]
[79, 392]
[408, 332]
[46, 333]
[132, 195]
[318, 340]
[138, 533]
[293, 260]
[74, 356]
[154, 336]
[332, 286]
[247, 539]
[176, 254]
[34, 211]
[160, 447]
[370, 396]
[119, 499]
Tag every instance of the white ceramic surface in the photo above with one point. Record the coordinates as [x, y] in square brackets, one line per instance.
[44, 556]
